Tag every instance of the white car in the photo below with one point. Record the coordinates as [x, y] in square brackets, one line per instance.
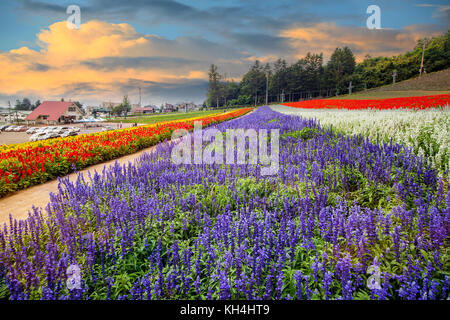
[18, 128]
[31, 130]
[69, 133]
[37, 136]
[54, 129]
[48, 135]
[107, 128]
[10, 128]
[51, 135]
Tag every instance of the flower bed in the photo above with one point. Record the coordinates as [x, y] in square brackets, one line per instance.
[340, 207]
[423, 102]
[427, 132]
[31, 163]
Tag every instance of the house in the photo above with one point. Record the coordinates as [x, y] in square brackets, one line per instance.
[53, 112]
[168, 108]
[145, 110]
[187, 106]
[13, 115]
[134, 107]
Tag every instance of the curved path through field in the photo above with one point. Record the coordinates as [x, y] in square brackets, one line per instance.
[19, 203]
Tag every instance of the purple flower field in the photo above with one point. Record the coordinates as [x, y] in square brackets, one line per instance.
[344, 218]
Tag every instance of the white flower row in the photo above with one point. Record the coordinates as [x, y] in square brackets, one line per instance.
[419, 129]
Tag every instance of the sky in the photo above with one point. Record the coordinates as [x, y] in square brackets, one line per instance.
[165, 47]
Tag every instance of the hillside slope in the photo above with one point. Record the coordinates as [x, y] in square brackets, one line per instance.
[429, 84]
[436, 81]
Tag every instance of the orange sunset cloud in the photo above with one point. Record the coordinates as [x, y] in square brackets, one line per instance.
[69, 57]
[327, 36]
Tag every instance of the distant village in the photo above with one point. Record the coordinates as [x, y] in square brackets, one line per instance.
[106, 108]
[53, 112]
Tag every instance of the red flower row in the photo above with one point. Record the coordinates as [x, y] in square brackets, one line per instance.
[32, 163]
[423, 102]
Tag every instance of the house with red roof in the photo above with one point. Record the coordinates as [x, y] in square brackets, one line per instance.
[54, 112]
[144, 110]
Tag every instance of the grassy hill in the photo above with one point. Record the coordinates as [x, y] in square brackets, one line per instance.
[429, 84]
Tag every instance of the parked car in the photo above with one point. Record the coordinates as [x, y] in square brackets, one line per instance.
[43, 129]
[31, 130]
[51, 135]
[18, 128]
[10, 128]
[107, 128]
[37, 136]
[69, 133]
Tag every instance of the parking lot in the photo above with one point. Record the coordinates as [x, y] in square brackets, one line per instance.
[13, 137]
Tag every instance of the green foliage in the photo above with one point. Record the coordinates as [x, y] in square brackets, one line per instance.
[305, 134]
[340, 67]
[309, 74]
[122, 108]
[214, 89]
[377, 71]
[25, 104]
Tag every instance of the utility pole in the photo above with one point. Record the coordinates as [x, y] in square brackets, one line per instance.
[140, 98]
[9, 104]
[423, 54]
[267, 88]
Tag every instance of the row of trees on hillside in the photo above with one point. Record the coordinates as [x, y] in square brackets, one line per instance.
[310, 77]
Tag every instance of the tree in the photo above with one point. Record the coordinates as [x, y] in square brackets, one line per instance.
[229, 90]
[122, 108]
[278, 80]
[24, 105]
[36, 104]
[213, 86]
[341, 65]
[313, 70]
[254, 82]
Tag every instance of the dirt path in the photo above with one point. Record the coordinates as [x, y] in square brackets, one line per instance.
[20, 202]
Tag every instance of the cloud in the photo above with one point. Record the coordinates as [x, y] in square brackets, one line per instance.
[325, 37]
[260, 42]
[105, 60]
[443, 14]
[157, 62]
[38, 67]
[97, 62]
